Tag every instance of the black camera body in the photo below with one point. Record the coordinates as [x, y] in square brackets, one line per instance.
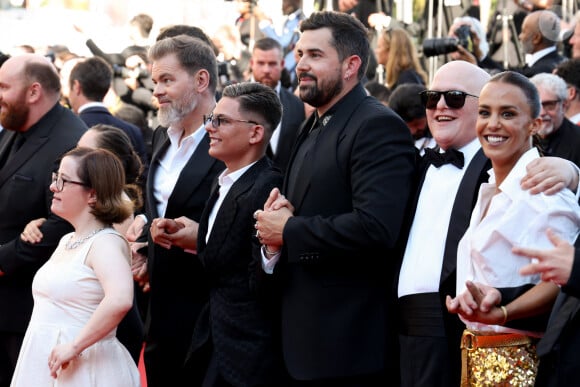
[442, 46]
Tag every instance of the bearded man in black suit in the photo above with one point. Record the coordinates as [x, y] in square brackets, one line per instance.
[332, 240]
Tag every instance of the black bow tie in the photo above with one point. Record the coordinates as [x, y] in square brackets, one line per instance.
[452, 156]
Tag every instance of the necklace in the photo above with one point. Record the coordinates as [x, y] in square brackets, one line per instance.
[73, 245]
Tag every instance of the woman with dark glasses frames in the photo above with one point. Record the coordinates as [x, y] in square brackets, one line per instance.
[85, 289]
[505, 216]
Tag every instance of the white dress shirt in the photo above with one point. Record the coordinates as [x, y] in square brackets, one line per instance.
[172, 163]
[514, 218]
[226, 180]
[423, 259]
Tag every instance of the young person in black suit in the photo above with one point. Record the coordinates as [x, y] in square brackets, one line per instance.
[241, 320]
[179, 182]
[38, 130]
[332, 240]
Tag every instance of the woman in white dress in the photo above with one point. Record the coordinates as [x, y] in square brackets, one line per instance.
[493, 299]
[86, 287]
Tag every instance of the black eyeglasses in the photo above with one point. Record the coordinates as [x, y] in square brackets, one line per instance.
[454, 99]
[216, 121]
[59, 181]
[551, 105]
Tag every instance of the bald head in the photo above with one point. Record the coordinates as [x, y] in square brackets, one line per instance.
[30, 68]
[454, 127]
[467, 77]
[540, 29]
[30, 88]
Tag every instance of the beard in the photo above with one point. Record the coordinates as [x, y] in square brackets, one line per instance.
[14, 116]
[174, 113]
[320, 93]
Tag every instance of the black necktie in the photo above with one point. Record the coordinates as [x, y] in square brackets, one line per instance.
[452, 156]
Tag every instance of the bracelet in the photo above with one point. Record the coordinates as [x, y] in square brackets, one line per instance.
[505, 314]
[268, 252]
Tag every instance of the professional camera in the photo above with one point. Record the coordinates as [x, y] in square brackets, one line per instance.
[441, 46]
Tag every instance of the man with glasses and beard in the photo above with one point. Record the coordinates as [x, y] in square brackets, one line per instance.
[332, 235]
[184, 71]
[558, 135]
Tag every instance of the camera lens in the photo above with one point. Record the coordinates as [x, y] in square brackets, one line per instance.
[439, 46]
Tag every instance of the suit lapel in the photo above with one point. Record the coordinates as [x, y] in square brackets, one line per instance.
[461, 212]
[24, 154]
[191, 176]
[161, 144]
[230, 208]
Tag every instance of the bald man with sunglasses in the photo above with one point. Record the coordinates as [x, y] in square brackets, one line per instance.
[449, 180]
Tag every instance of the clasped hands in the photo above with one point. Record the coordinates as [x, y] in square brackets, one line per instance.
[271, 220]
[478, 303]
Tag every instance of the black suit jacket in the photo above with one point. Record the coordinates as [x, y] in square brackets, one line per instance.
[178, 286]
[545, 64]
[241, 319]
[564, 142]
[101, 115]
[337, 259]
[558, 349]
[292, 118]
[24, 196]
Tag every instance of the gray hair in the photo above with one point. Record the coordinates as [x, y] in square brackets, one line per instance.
[552, 83]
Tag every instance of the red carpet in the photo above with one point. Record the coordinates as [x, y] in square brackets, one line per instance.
[142, 369]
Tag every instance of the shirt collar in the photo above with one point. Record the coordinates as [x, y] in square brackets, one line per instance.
[89, 105]
[511, 184]
[175, 134]
[536, 56]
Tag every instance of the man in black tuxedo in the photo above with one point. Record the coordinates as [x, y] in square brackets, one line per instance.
[38, 130]
[437, 220]
[181, 173]
[89, 82]
[266, 64]
[539, 38]
[332, 240]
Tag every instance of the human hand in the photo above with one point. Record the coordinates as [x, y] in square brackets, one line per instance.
[135, 229]
[270, 226]
[60, 357]
[139, 266]
[183, 233]
[276, 201]
[550, 175]
[31, 233]
[160, 230]
[553, 264]
[463, 54]
[477, 303]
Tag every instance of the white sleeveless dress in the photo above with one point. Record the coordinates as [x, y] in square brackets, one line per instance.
[65, 296]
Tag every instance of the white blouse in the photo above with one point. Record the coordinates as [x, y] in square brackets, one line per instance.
[514, 218]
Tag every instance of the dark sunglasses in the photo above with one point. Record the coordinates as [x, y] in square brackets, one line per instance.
[454, 99]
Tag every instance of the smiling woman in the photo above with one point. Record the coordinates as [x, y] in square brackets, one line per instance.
[506, 216]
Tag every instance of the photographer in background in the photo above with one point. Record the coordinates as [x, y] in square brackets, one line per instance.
[476, 51]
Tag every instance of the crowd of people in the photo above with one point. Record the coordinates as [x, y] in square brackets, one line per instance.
[292, 202]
